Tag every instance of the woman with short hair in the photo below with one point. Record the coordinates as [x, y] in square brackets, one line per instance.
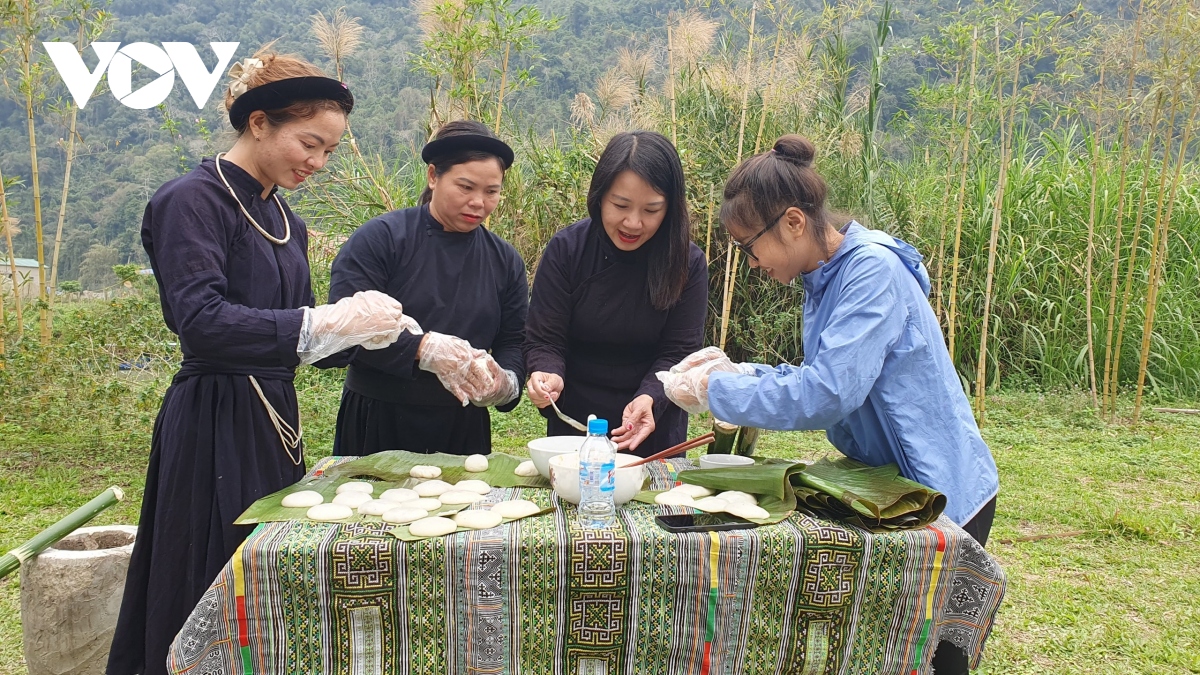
[619, 296]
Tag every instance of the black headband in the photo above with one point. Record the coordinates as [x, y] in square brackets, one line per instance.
[441, 147]
[282, 93]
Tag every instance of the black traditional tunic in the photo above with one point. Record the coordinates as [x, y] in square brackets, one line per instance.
[592, 323]
[233, 298]
[468, 284]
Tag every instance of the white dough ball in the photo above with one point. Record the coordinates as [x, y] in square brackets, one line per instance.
[432, 527]
[430, 504]
[352, 499]
[459, 497]
[424, 471]
[526, 469]
[476, 464]
[478, 520]
[747, 511]
[673, 498]
[711, 504]
[302, 499]
[356, 486]
[516, 508]
[432, 488]
[693, 491]
[737, 496]
[376, 507]
[473, 486]
[327, 512]
[403, 514]
[399, 495]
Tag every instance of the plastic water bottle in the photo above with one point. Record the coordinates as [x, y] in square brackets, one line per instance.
[597, 462]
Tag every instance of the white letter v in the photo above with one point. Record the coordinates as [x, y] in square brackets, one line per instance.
[75, 75]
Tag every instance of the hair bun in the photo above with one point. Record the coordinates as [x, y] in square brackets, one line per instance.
[795, 149]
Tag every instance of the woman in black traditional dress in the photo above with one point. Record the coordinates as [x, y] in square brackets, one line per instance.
[619, 296]
[231, 263]
[464, 284]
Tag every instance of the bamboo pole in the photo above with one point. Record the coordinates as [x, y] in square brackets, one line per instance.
[26, 47]
[503, 84]
[671, 87]
[1158, 256]
[939, 302]
[62, 204]
[962, 195]
[1127, 290]
[708, 228]
[1091, 233]
[997, 215]
[12, 561]
[7, 225]
[733, 255]
[1110, 387]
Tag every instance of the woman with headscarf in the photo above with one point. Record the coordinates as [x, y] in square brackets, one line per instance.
[466, 287]
[231, 262]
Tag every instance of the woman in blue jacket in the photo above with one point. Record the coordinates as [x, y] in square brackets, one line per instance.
[876, 374]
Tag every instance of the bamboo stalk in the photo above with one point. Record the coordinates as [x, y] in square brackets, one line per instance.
[671, 87]
[62, 204]
[997, 215]
[734, 254]
[1127, 289]
[7, 224]
[1110, 387]
[11, 561]
[941, 250]
[1158, 256]
[26, 69]
[962, 195]
[1091, 233]
[708, 228]
[503, 84]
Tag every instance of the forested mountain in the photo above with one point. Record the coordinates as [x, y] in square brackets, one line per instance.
[126, 154]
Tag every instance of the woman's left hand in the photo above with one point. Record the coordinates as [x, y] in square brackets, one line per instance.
[637, 423]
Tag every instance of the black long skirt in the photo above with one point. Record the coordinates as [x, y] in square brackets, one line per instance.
[213, 453]
[366, 425]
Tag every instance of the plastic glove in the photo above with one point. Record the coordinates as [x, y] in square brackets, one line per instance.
[460, 367]
[369, 319]
[504, 385]
[686, 384]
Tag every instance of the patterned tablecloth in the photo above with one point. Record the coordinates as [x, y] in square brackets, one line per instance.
[543, 597]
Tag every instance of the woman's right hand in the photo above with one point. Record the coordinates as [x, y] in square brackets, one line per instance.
[544, 388]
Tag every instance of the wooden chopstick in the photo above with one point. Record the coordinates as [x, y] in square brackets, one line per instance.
[682, 447]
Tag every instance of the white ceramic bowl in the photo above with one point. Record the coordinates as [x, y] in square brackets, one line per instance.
[564, 477]
[724, 461]
[542, 449]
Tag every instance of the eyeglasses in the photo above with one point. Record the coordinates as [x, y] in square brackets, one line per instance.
[745, 248]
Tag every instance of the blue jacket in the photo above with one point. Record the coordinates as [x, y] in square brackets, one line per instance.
[876, 375]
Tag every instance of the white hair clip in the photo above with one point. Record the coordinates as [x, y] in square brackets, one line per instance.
[241, 74]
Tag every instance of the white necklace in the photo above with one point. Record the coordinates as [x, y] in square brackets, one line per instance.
[287, 227]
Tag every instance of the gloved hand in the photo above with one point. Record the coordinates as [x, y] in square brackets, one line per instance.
[686, 384]
[369, 319]
[504, 385]
[460, 368]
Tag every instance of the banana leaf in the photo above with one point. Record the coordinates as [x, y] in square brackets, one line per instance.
[386, 470]
[767, 479]
[401, 531]
[394, 465]
[873, 497]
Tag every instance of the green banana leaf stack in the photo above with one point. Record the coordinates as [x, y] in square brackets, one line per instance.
[875, 498]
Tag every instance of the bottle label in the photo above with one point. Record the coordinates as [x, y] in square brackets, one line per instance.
[608, 476]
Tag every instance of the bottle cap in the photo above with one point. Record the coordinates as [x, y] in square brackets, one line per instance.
[598, 427]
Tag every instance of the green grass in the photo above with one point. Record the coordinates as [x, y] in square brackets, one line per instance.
[1118, 598]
